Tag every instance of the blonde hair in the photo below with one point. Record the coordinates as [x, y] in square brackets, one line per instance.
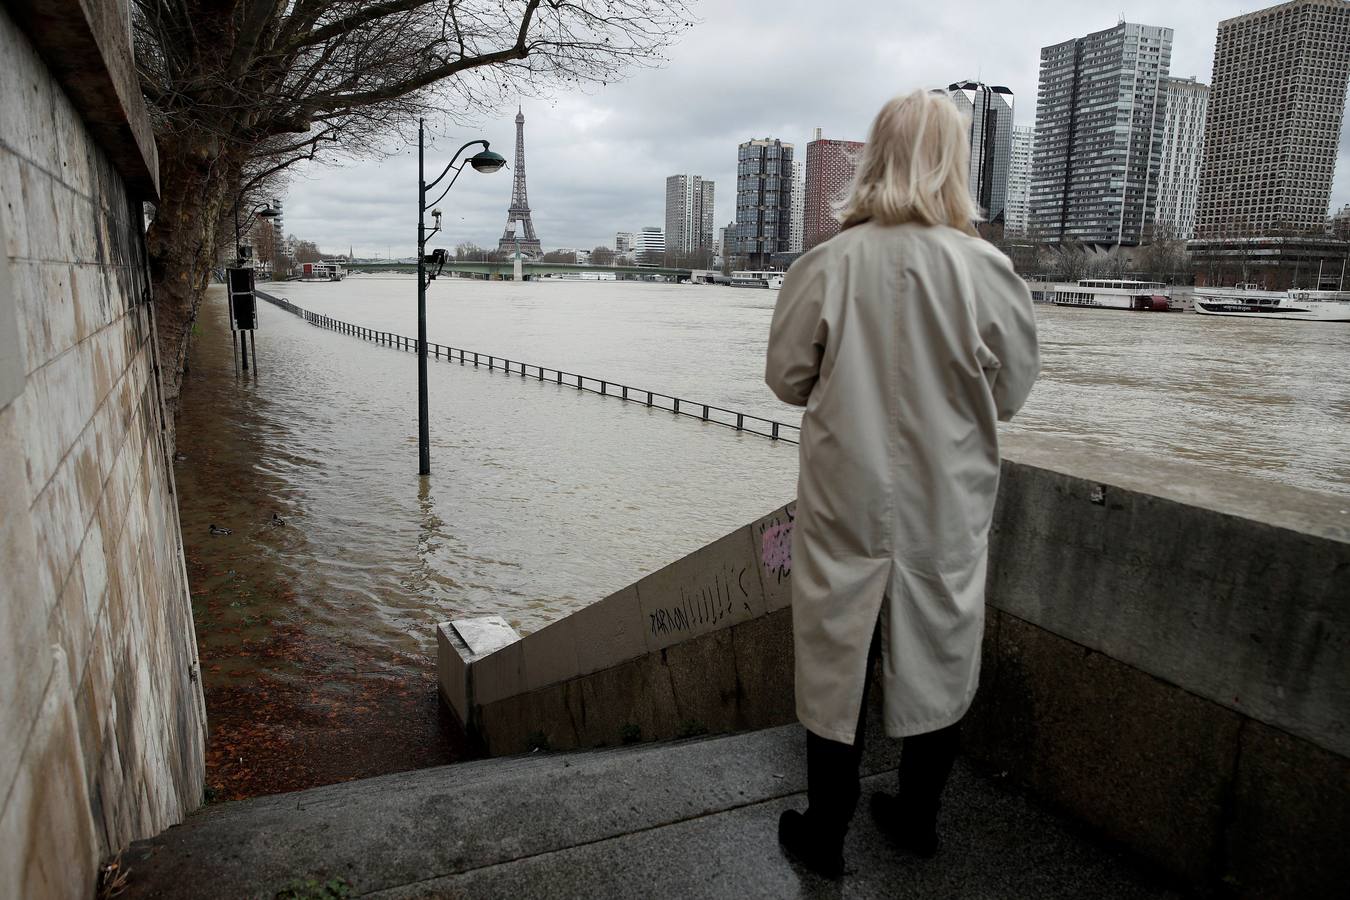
[915, 166]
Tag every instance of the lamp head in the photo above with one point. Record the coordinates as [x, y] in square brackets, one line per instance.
[487, 161]
[268, 212]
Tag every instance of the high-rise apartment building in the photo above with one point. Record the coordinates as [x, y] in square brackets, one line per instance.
[763, 200]
[991, 121]
[1099, 111]
[623, 242]
[1018, 204]
[830, 165]
[798, 209]
[1185, 100]
[1274, 119]
[689, 214]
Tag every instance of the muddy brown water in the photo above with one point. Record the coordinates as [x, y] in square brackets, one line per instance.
[317, 635]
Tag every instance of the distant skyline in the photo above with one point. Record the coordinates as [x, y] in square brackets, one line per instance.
[598, 161]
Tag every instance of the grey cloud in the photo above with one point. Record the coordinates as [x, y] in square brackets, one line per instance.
[597, 161]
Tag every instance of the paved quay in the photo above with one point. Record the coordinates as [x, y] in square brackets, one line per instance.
[694, 818]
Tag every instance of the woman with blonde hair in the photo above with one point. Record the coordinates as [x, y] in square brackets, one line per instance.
[907, 338]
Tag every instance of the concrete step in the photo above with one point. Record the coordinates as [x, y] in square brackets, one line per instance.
[697, 818]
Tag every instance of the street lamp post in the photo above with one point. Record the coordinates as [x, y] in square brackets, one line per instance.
[262, 209]
[482, 161]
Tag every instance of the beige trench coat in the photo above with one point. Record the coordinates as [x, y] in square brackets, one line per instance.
[906, 344]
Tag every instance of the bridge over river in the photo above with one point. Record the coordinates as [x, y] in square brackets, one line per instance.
[505, 269]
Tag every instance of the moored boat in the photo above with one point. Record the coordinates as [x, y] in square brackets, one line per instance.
[328, 270]
[1113, 293]
[757, 279]
[1249, 301]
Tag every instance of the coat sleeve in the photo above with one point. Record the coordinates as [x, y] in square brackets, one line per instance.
[798, 333]
[1008, 329]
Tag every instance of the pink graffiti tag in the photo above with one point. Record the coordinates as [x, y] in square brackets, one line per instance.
[776, 549]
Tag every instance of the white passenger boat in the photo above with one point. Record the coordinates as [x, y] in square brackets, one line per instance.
[328, 270]
[757, 279]
[1113, 293]
[1249, 301]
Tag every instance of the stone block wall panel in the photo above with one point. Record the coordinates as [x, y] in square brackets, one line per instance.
[1247, 609]
[724, 680]
[102, 727]
[1148, 764]
[1290, 814]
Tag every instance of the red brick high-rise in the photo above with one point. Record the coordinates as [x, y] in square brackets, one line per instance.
[829, 170]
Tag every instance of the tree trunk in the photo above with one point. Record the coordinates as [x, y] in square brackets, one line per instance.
[182, 245]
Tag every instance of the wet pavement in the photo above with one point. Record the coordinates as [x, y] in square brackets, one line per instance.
[688, 819]
[291, 701]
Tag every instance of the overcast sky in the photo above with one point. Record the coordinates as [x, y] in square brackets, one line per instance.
[597, 162]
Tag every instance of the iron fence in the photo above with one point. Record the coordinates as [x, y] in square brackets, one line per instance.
[704, 412]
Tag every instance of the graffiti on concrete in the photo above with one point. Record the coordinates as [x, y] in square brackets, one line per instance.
[775, 545]
[704, 605]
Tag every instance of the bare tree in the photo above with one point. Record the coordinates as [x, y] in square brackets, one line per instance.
[241, 90]
[307, 251]
[1066, 261]
[267, 244]
[602, 256]
[468, 250]
[1163, 256]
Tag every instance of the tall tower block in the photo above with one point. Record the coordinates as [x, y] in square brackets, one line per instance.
[519, 211]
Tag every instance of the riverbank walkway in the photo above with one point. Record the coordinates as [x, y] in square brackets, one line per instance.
[694, 818]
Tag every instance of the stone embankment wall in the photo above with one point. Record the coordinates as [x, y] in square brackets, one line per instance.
[1167, 657]
[101, 719]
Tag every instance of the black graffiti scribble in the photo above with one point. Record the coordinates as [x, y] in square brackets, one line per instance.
[701, 605]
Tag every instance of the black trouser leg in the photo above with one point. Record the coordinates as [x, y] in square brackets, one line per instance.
[832, 767]
[925, 764]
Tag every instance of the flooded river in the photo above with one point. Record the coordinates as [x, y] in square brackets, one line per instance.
[317, 634]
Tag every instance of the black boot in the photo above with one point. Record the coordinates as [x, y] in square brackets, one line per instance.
[818, 848]
[911, 833]
[910, 819]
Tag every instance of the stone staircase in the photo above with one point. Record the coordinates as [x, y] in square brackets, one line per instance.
[694, 818]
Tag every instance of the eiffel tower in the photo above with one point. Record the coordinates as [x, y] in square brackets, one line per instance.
[520, 205]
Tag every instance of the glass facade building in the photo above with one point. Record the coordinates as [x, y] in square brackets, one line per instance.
[1099, 113]
[991, 123]
[763, 201]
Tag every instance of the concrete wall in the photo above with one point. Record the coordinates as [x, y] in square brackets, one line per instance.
[677, 652]
[1186, 696]
[1167, 656]
[101, 717]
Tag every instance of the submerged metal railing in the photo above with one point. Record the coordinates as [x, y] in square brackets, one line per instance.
[704, 412]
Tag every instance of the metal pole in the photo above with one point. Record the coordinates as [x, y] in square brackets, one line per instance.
[423, 431]
[234, 340]
[253, 346]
